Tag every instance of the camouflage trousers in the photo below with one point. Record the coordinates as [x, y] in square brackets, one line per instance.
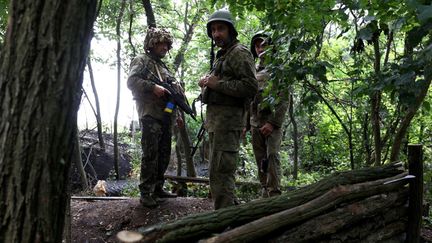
[156, 151]
[266, 151]
[224, 147]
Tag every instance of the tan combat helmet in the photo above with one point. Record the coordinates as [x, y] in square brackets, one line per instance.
[157, 35]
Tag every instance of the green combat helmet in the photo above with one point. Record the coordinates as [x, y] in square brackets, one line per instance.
[259, 35]
[224, 16]
[157, 35]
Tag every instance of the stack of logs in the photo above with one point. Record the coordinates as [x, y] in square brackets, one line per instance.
[366, 205]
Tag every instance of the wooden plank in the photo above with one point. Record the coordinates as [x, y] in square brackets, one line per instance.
[415, 206]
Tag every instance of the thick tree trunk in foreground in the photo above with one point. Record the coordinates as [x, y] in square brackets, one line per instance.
[42, 63]
[203, 225]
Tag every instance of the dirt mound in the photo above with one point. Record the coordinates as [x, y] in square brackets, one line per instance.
[99, 221]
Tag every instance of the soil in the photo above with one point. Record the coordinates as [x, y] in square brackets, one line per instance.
[100, 220]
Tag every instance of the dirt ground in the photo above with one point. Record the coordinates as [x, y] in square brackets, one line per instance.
[100, 220]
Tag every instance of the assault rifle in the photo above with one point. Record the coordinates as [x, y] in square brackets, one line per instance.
[177, 98]
[200, 136]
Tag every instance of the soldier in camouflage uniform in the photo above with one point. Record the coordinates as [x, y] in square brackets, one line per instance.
[155, 120]
[265, 123]
[227, 91]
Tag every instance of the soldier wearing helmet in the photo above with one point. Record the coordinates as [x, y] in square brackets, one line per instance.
[265, 123]
[156, 118]
[227, 91]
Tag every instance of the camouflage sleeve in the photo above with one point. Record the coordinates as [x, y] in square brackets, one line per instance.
[239, 80]
[278, 116]
[136, 79]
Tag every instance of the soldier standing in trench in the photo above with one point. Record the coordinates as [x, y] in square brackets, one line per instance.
[227, 91]
[156, 115]
[265, 124]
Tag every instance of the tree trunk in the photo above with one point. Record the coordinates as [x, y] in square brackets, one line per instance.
[98, 112]
[294, 136]
[203, 225]
[410, 113]
[78, 162]
[375, 102]
[41, 65]
[131, 19]
[151, 21]
[115, 137]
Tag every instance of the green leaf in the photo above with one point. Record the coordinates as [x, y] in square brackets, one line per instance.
[405, 79]
[426, 105]
[365, 34]
[425, 13]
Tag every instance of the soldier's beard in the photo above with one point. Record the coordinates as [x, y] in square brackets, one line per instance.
[222, 43]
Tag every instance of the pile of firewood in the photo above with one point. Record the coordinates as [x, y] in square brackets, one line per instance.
[367, 205]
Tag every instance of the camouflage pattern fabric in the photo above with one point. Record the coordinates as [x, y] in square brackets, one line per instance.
[157, 35]
[223, 165]
[156, 151]
[267, 148]
[237, 85]
[142, 88]
[259, 114]
[226, 110]
[156, 125]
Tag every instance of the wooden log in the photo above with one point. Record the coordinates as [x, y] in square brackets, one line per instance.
[364, 228]
[91, 198]
[342, 218]
[206, 180]
[387, 232]
[266, 225]
[415, 165]
[202, 225]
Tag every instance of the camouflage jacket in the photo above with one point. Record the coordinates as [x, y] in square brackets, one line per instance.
[141, 72]
[260, 114]
[227, 102]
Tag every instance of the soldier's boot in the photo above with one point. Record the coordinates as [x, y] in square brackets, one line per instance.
[147, 201]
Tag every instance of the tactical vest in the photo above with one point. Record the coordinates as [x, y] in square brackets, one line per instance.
[212, 97]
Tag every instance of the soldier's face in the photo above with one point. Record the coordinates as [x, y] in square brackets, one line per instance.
[220, 33]
[260, 46]
[160, 49]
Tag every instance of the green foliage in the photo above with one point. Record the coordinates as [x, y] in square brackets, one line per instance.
[4, 8]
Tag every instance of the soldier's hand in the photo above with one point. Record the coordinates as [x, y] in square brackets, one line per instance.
[209, 81]
[212, 81]
[180, 122]
[202, 81]
[267, 129]
[159, 91]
